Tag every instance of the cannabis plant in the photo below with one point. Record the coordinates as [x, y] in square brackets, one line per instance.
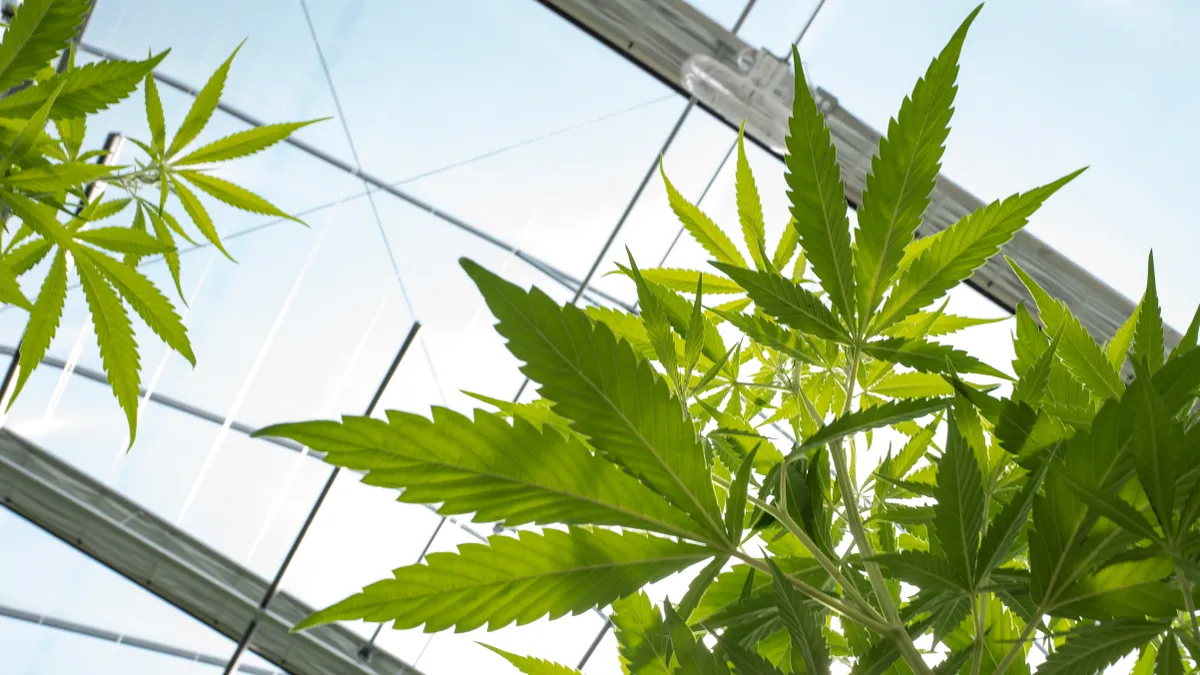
[55, 210]
[1054, 526]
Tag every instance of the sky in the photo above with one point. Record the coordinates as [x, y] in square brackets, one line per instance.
[307, 320]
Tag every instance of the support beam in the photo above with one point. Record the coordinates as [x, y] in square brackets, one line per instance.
[659, 35]
[174, 565]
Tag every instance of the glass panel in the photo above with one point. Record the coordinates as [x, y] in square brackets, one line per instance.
[59, 582]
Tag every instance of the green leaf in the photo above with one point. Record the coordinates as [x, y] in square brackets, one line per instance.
[954, 661]
[242, 143]
[71, 133]
[1188, 342]
[1132, 589]
[818, 198]
[923, 570]
[932, 324]
[532, 666]
[1006, 526]
[745, 661]
[788, 302]
[1078, 350]
[145, 299]
[788, 240]
[514, 474]
[233, 195]
[39, 30]
[928, 357]
[749, 207]
[1145, 661]
[803, 621]
[84, 90]
[1169, 661]
[1035, 381]
[154, 115]
[694, 337]
[959, 510]
[877, 416]
[199, 215]
[701, 227]
[700, 584]
[693, 656]
[1148, 337]
[43, 321]
[24, 257]
[123, 240]
[735, 504]
[202, 107]
[55, 177]
[1110, 505]
[915, 449]
[612, 396]
[1158, 446]
[658, 326]
[162, 232]
[118, 350]
[642, 637]
[1117, 349]
[769, 334]
[956, 252]
[903, 173]
[685, 281]
[912, 385]
[516, 579]
[10, 288]
[28, 136]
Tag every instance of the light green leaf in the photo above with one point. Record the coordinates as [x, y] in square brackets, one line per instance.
[118, 350]
[956, 252]
[1035, 381]
[735, 504]
[162, 232]
[55, 177]
[43, 321]
[154, 115]
[84, 90]
[694, 337]
[903, 172]
[700, 584]
[613, 396]
[818, 198]
[685, 281]
[959, 508]
[624, 325]
[658, 326]
[1117, 349]
[532, 666]
[1148, 337]
[202, 108]
[804, 622]
[515, 474]
[10, 288]
[932, 324]
[788, 240]
[1132, 589]
[23, 258]
[769, 334]
[750, 212]
[39, 30]
[1078, 350]
[642, 637]
[911, 385]
[72, 132]
[232, 194]
[28, 136]
[788, 302]
[144, 297]
[199, 215]
[915, 449]
[537, 413]
[242, 143]
[923, 570]
[516, 579]
[123, 240]
[928, 357]
[701, 227]
[881, 415]
[1145, 662]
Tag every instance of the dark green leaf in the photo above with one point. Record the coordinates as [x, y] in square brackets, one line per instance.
[699, 585]
[787, 301]
[1003, 531]
[1169, 661]
[923, 570]
[693, 656]
[735, 504]
[1188, 342]
[928, 357]
[958, 512]
[1148, 338]
[803, 621]
[1089, 649]
[769, 334]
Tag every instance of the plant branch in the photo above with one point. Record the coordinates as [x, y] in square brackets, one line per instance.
[1186, 587]
[846, 483]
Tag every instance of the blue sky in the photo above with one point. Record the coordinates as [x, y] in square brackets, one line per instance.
[305, 323]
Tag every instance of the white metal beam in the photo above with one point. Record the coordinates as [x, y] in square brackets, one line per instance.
[175, 566]
[659, 35]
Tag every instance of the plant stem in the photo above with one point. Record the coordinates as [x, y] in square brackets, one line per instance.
[849, 491]
[1011, 656]
[978, 609]
[830, 602]
[1186, 586]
